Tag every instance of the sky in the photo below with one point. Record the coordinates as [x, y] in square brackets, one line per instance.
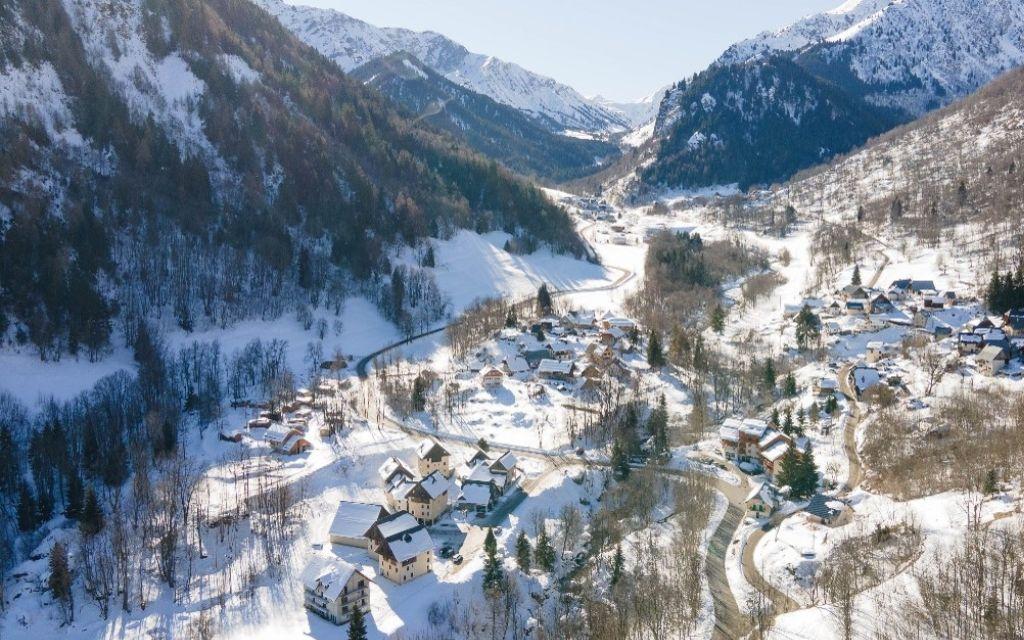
[620, 49]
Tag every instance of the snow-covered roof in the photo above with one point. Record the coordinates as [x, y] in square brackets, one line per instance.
[277, 433]
[865, 377]
[327, 576]
[435, 484]
[475, 493]
[730, 430]
[431, 448]
[554, 366]
[754, 427]
[410, 543]
[392, 466]
[354, 519]
[970, 338]
[828, 383]
[481, 472]
[992, 352]
[775, 451]
[491, 371]
[764, 491]
[396, 523]
[517, 364]
[769, 437]
[505, 462]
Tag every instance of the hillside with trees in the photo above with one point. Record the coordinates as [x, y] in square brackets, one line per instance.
[197, 160]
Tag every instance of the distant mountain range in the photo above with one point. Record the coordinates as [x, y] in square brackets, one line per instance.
[791, 98]
[489, 127]
[351, 43]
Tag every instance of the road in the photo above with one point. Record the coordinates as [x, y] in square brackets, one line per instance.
[855, 471]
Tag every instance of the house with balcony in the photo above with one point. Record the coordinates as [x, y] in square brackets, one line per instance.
[333, 589]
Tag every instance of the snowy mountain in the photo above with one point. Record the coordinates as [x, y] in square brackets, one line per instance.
[493, 129]
[911, 55]
[196, 160]
[883, 62]
[350, 43]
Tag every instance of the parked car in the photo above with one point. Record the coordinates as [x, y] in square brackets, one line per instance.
[457, 559]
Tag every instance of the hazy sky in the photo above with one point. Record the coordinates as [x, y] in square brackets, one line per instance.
[622, 49]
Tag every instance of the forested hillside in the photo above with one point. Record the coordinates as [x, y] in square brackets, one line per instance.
[494, 130]
[194, 159]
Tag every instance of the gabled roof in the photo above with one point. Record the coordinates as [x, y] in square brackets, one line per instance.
[355, 519]
[825, 507]
[408, 544]
[435, 485]
[505, 462]
[396, 523]
[555, 366]
[392, 467]
[754, 427]
[431, 449]
[477, 493]
[730, 430]
[764, 491]
[992, 352]
[328, 576]
[775, 451]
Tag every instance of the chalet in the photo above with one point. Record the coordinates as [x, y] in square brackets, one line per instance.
[611, 337]
[591, 372]
[431, 457]
[856, 306]
[394, 472]
[877, 351]
[915, 287]
[826, 386]
[556, 370]
[491, 377]
[477, 496]
[1013, 322]
[740, 438]
[353, 521]
[864, 377]
[968, 343]
[992, 359]
[762, 500]
[934, 302]
[403, 547]
[562, 350]
[881, 304]
[854, 292]
[535, 356]
[579, 320]
[829, 511]
[515, 365]
[729, 437]
[600, 354]
[333, 589]
[426, 499]
[613, 322]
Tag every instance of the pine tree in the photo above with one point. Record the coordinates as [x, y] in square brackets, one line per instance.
[768, 375]
[27, 511]
[60, 580]
[419, 388]
[620, 462]
[492, 564]
[357, 625]
[543, 300]
[700, 356]
[75, 497]
[655, 354]
[679, 346]
[855, 280]
[617, 563]
[787, 423]
[91, 521]
[511, 320]
[523, 552]
[807, 475]
[428, 257]
[801, 421]
[808, 328]
[774, 420]
[788, 472]
[544, 553]
[790, 386]
[991, 483]
[718, 319]
[657, 426]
